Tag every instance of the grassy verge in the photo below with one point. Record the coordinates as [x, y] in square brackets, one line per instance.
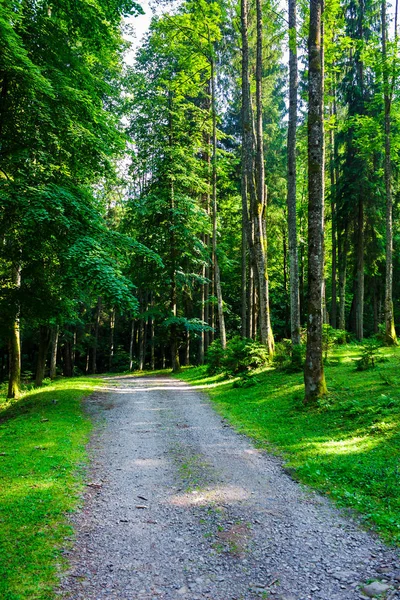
[347, 447]
[42, 452]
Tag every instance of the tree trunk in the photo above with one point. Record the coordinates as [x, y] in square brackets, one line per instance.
[343, 250]
[53, 354]
[44, 341]
[152, 349]
[221, 318]
[333, 217]
[359, 307]
[314, 377]
[390, 331]
[245, 219]
[14, 381]
[202, 340]
[259, 209]
[291, 189]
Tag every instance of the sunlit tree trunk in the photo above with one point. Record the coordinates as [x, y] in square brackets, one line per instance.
[53, 354]
[390, 331]
[291, 189]
[314, 377]
[217, 276]
[259, 211]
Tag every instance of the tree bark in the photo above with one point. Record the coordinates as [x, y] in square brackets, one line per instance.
[217, 276]
[291, 189]
[54, 348]
[14, 381]
[334, 220]
[343, 250]
[359, 305]
[314, 377]
[390, 331]
[259, 210]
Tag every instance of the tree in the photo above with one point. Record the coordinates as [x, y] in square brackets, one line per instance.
[314, 377]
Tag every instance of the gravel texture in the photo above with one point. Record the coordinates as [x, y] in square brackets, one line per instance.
[179, 505]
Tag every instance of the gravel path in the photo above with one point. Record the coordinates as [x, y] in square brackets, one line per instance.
[181, 506]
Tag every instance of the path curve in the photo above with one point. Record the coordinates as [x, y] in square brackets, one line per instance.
[179, 505]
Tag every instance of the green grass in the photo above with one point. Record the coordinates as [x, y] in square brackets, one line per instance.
[347, 447]
[42, 454]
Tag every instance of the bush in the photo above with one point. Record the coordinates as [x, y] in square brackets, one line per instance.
[242, 355]
[289, 358]
[214, 357]
[369, 357]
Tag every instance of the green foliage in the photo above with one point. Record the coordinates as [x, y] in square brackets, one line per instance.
[369, 356]
[214, 357]
[243, 355]
[288, 357]
[239, 357]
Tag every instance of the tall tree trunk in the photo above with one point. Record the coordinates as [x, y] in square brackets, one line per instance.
[259, 209]
[314, 377]
[202, 340]
[221, 318]
[250, 302]
[14, 381]
[390, 331]
[333, 217]
[44, 341]
[245, 218]
[359, 307]
[176, 367]
[343, 250]
[291, 189]
[53, 354]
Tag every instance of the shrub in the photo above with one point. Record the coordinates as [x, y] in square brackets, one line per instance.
[289, 358]
[242, 355]
[214, 357]
[369, 357]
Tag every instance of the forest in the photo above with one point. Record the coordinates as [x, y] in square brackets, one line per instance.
[233, 194]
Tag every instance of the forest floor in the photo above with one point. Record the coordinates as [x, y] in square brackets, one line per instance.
[179, 505]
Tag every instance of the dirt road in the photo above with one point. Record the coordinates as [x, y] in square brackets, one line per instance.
[181, 506]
